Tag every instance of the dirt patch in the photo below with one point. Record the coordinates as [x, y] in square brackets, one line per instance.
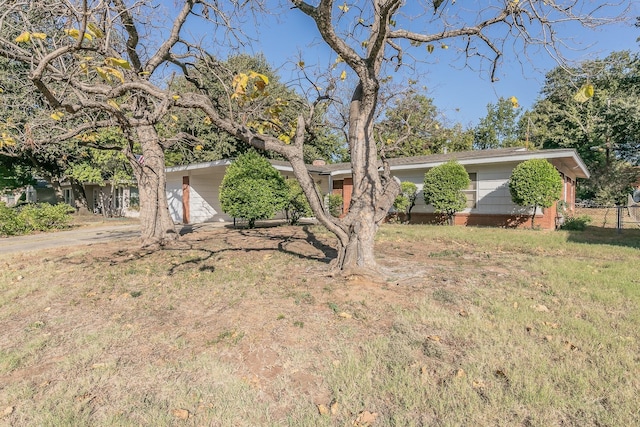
[114, 318]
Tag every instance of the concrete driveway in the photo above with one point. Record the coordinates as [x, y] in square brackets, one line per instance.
[75, 237]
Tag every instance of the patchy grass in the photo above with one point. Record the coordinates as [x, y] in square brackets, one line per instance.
[245, 328]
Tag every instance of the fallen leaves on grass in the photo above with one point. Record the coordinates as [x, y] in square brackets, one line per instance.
[181, 414]
[540, 308]
[8, 411]
[365, 419]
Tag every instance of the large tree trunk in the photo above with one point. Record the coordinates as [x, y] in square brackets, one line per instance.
[155, 220]
[373, 191]
[79, 197]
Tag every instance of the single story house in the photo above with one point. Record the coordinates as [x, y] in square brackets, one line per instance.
[193, 190]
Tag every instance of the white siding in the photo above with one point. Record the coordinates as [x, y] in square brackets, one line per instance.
[204, 196]
[493, 195]
[174, 196]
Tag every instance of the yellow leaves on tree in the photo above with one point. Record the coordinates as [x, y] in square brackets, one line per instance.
[95, 30]
[514, 102]
[106, 73]
[117, 62]
[57, 115]
[113, 104]
[241, 82]
[75, 34]
[584, 93]
[6, 140]
[26, 37]
[344, 8]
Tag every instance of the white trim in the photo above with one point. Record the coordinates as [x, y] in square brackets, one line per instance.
[194, 166]
[543, 154]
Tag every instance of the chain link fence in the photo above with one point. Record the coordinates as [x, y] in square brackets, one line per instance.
[613, 217]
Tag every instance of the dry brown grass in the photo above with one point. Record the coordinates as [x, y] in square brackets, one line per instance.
[245, 328]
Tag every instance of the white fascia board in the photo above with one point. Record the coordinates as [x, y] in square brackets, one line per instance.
[341, 172]
[520, 157]
[283, 168]
[195, 166]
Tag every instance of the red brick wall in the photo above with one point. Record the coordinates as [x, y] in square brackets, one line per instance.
[546, 221]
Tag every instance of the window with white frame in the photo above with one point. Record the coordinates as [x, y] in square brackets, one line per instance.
[471, 192]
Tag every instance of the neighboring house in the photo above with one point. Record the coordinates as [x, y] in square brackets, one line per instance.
[106, 199]
[40, 192]
[193, 190]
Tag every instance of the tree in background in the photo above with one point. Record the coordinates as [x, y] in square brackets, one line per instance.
[413, 126]
[406, 200]
[500, 127]
[252, 189]
[535, 183]
[593, 108]
[443, 188]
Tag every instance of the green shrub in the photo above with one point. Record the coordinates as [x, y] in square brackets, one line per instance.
[406, 200]
[535, 183]
[297, 203]
[9, 223]
[252, 189]
[335, 202]
[443, 187]
[576, 223]
[34, 217]
[44, 217]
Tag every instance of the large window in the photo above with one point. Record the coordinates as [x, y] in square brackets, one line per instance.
[472, 191]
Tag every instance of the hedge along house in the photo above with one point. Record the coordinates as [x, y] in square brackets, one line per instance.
[193, 190]
[488, 197]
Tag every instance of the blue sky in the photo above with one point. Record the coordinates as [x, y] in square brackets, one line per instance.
[461, 94]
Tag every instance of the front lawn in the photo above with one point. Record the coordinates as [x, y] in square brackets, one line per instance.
[470, 326]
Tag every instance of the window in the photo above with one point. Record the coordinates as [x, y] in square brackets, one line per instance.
[119, 196]
[134, 198]
[68, 196]
[472, 191]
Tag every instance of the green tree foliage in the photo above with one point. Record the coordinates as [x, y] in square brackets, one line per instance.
[406, 200]
[500, 127]
[335, 204]
[535, 183]
[603, 128]
[13, 174]
[413, 126]
[297, 204]
[443, 186]
[252, 189]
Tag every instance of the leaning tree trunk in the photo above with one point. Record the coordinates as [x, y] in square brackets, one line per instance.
[157, 227]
